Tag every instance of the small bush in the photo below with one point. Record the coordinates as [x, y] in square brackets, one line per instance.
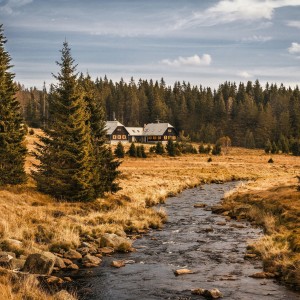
[31, 131]
[216, 149]
[119, 151]
[209, 160]
[270, 161]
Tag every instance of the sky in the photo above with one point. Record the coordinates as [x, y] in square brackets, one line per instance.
[204, 42]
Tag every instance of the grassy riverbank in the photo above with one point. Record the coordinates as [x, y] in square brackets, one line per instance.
[274, 205]
[30, 217]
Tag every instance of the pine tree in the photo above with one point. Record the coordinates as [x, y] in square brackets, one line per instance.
[67, 162]
[171, 149]
[12, 133]
[139, 151]
[119, 151]
[132, 150]
[159, 148]
[144, 155]
[105, 168]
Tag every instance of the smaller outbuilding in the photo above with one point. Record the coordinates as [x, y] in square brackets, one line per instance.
[135, 134]
[116, 132]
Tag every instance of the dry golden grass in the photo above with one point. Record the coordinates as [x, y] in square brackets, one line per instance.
[275, 205]
[31, 217]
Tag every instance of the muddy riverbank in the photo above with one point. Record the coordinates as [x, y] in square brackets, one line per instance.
[192, 238]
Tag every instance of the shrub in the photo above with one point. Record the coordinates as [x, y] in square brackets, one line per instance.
[216, 149]
[119, 151]
[132, 150]
[270, 161]
[159, 148]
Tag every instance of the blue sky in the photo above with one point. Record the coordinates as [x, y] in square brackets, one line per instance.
[204, 42]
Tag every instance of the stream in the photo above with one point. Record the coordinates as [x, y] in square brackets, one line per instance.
[192, 238]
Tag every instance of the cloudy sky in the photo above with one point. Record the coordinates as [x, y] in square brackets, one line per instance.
[201, 41]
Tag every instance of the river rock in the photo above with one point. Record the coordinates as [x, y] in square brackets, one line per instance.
[72, 267]
[118, 263]
[72, 254]
[18, 263]
[221, 223]
[15, 243]
[58, 261]
[200, 205]
[218, 209]
[63, 295]
[263, 275]
[107, 250]
[6, 259]
[209, 294]
[67, 261]
[54, 280]
[39, 263]
[91, 261]
[183, 271]
[250, 255]
[116, 242]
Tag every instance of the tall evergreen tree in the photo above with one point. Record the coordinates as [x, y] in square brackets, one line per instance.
[105, 169]
[66, 169]
[12, 148]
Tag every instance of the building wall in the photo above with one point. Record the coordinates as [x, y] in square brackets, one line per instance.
[119, 135]
[169, 134]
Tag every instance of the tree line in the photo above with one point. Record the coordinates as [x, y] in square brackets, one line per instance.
[251, 115]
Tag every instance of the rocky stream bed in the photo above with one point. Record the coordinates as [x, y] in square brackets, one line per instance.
[208, 245]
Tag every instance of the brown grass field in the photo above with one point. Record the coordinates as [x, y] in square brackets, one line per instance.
[270, 198]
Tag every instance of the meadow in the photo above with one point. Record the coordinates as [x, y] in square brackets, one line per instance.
[269, 195]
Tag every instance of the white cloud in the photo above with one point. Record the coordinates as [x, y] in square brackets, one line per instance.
[9, 6]
[294, 49]
[227, 11]
[257, 38]
[294, 24]
[191, 61]
[245, 75]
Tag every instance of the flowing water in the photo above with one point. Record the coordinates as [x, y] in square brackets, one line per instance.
[192, 238]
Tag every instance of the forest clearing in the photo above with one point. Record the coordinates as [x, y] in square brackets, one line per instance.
[29, 216]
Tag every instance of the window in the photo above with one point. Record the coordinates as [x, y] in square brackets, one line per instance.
[159, 138]
[124, 137]
[119, 136]
[154, 138]
[165, 137]
[114, 137]
[118, 129]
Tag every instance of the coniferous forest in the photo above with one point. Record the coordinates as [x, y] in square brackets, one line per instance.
[252, 115]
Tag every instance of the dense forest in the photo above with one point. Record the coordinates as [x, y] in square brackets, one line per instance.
[250, 114]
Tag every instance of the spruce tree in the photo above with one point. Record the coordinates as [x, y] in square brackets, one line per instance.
[144, 155]
[119, 151]
[105, 168]
[159, 148]
[132, 150]
[67, 162]
[171, 149]
[12, 133]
